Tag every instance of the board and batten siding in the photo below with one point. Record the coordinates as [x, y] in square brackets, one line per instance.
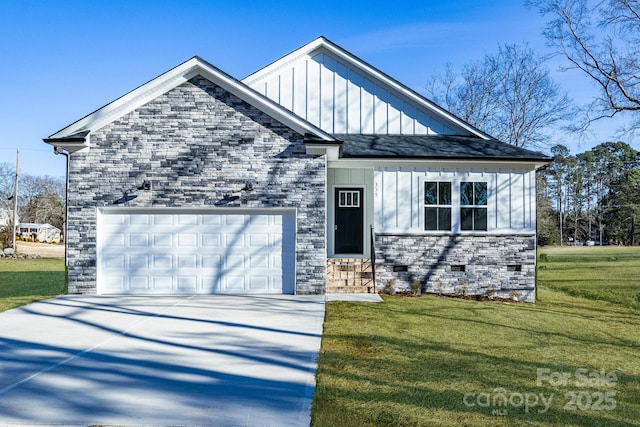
[338, 98]
[399, 199]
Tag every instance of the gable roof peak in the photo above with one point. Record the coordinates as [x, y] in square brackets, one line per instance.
[75, 136]
[382, 79]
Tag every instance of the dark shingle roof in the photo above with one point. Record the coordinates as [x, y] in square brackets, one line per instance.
[432, 147]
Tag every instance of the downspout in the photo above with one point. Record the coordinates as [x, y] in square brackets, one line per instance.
[58, 150]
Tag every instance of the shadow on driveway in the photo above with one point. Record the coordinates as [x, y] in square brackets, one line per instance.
[212, 360]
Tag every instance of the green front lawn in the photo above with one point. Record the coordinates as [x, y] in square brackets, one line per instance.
[609, 273]
[23, 281]
[432, 361]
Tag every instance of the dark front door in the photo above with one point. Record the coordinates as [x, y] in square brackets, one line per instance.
[349, 225]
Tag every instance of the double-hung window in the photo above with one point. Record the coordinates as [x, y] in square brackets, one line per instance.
[473, 206]
[437, 206]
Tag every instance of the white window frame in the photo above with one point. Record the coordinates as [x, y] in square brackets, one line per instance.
[351, 199]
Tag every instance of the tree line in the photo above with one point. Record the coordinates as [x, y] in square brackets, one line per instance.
[593, 196]
[41, 199]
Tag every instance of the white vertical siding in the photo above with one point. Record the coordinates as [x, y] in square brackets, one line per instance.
[503, 200]
[354, 102]
[408, 124]
[398, 199]
[300, 89]
[313, 93]
[517, 200]
[273, 89]
[380, 108]
[532, 199]
[394, 108]
[329, 93]
[286, 90]
[404, 203]
[366, 107]
[378, 211]
[390, 200]
[341, 98]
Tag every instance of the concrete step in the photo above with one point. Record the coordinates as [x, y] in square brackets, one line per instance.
[350, 290]
[349, 275]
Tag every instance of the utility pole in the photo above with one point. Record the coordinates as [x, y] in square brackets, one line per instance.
[15, 201]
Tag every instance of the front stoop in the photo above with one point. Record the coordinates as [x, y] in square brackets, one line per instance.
[350, 276]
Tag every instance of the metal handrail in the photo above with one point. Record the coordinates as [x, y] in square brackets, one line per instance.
[373, 259]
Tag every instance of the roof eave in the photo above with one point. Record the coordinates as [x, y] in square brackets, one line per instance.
[538, 162]
[70, 144]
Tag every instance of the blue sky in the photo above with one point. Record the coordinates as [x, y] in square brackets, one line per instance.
[61, 60]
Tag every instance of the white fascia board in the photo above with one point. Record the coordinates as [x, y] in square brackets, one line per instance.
[357, 63]
[132, 100]
[332, 151]
[174, 78]
[436, 164]
[284, 61]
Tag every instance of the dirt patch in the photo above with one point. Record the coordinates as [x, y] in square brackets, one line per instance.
[45, 250]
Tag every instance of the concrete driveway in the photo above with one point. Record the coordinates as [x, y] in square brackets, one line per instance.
[200, 360]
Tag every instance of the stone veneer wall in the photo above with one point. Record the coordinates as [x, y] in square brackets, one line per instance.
[490, 263]
[195, 144]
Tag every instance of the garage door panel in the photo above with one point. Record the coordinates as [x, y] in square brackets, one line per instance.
[116, 282]
[114, 261]
[187, 284]
[162, 219]
[187, 261]
[234, 262]
[211, 261]
[139, 282]
[187, 219]
[259, 283]
[139, 220]
[162, 284]
[210, 240]
[189, 252]
[140, 240]
[164, 240]
[259, 240]
[259, 261]
[233, 283]
[162, 261]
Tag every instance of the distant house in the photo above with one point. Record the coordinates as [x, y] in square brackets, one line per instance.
[292, 181]
[4, 218]
[45, 233]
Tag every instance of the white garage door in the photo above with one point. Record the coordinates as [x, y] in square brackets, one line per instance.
[195, 252]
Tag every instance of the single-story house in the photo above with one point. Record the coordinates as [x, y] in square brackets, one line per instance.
[45, 233]
[316, 173]
[5, 218]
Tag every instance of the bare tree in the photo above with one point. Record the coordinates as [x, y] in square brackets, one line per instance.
[600, 38]
[42, 200]
[7, 177]
[509, 95]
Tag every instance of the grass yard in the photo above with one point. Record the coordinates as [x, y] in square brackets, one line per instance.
[446, 362]
[23, 281]
[609, 273]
